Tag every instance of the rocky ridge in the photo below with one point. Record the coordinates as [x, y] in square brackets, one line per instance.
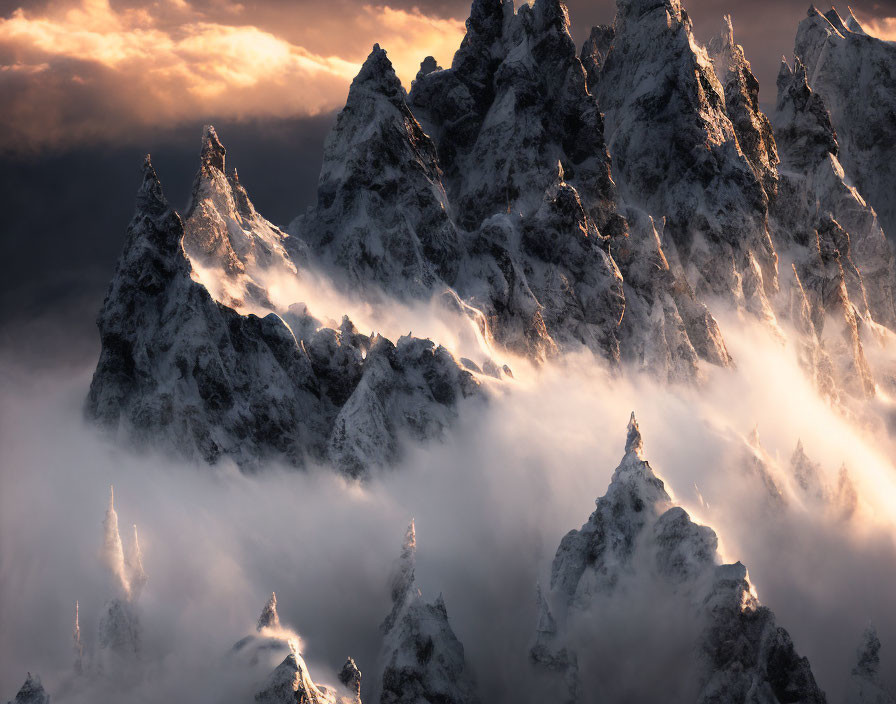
[179, 365]
[421, 659]
[637, 536]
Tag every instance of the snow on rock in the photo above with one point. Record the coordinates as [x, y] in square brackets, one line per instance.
[119, 630]
[422, 660]
[676, 154]
[830, 233]
[178, 368]
[865, 686]
[32, 692]
[855, 74]
[233, 248]
[741, 90]
[636, 536]
[382, 215]
[290, 683]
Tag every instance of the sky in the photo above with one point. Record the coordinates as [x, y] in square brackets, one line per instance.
[89, 86]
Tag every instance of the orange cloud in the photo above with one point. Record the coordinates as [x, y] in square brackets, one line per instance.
[882, 27]
[90, 71]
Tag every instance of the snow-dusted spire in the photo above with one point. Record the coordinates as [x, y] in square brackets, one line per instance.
[868, 655]
[378, 74]
[113, 552]
[213, 152]
[150, 198]
[78, 645]
[404, 573]
[134, 566]
[853, 23]
[633, 441]
[350, 677]
[269, 617]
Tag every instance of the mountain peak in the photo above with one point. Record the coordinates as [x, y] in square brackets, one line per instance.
[633, 442]
[350, 677]
[213, 152]
[269, 617]
[378, 74]
[405, 568]
[150, 197]
[868, 654]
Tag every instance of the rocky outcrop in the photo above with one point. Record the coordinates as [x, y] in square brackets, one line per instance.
[637, 537]
[32, 692]
[234, 250]
[865, 686]
[382, 216]
[180, 367]
[824, 223]
[741, 91]
[422, 660]
[119, 632]
[290, 683]
[676, 154]
[855, 74]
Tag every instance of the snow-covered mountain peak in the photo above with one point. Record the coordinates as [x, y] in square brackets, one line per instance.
[212, 154]
[269, 617]
[633, 442]
[377, 75]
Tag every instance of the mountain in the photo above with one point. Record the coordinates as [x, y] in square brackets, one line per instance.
[865, 686]
[855, 74]
[233, 249]
[178, 366]
[32, 692]
[290, 682]
[422, 660]
[676, 155]
[638, 551]
[119, 631]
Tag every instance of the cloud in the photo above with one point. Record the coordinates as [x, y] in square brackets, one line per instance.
[882, 27]
[91, 71]
[491, 502]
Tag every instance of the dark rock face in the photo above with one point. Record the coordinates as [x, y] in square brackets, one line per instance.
[741, 90]
[855, 74]
[676, 155]
[382, 215]
[422, 659]
[636, 535]
[32, 692]
[847, 276]
[175, 364]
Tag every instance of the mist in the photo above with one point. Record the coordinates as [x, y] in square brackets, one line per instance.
[491, 502]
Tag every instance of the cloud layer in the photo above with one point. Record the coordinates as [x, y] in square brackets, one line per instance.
[93, 71]
[491, 502]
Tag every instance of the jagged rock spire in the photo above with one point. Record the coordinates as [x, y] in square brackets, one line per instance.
[633, 442]
[150, 197]
[113, 552]
[868, 654]
[404, 577]
[269, 617]
[350, 677]
[213, 152]
[78, 645]
[32, 692]
[134, 564]
[378, 74]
